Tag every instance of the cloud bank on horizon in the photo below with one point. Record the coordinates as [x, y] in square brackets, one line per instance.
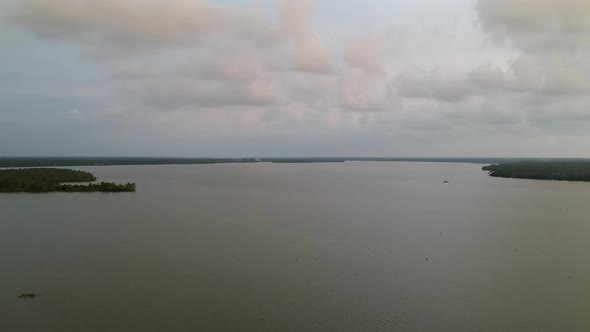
[295, 77]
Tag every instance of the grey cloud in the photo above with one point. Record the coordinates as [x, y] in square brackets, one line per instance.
[310, 89]
[132, 26]
[367, 54]
[311, 55]
[362, 92]
[178, 94]
[549, 80]
[134, 72]
[539, 25]
[566, 116]
[535, 75]
[542, 88]
[433, 84]
[492, 78]
[241, 67]
[296, 15]
[247, 45]
[525, 75]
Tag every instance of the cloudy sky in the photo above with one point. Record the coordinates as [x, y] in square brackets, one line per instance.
[295, 77]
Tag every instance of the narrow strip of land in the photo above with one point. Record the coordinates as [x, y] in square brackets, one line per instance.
[42, 180]
[112, 161]
[559, 170]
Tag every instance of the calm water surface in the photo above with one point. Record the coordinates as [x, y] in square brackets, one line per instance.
[310, 247]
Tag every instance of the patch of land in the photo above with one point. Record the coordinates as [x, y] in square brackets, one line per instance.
[27, 296]
[40, 180]
[112, 161]
[559, 170]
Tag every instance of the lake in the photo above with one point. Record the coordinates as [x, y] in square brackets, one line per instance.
[355, 246]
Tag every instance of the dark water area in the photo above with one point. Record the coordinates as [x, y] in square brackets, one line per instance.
[355, 246]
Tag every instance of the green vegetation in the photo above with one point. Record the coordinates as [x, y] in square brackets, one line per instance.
[110, 161]
[27, 296]
[39, 180]
[560, 170]
[102, 187]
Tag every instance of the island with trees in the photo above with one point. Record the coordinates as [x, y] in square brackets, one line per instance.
[43, 180]
[559, 170]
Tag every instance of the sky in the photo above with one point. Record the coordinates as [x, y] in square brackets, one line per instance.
[236, 78]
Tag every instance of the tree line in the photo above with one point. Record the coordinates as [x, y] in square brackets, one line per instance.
[542, 170]
[38, 180]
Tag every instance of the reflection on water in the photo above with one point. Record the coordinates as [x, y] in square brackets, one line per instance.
[277, 247]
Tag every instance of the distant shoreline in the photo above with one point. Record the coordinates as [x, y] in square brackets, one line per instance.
[8, 162]
[556, 170]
